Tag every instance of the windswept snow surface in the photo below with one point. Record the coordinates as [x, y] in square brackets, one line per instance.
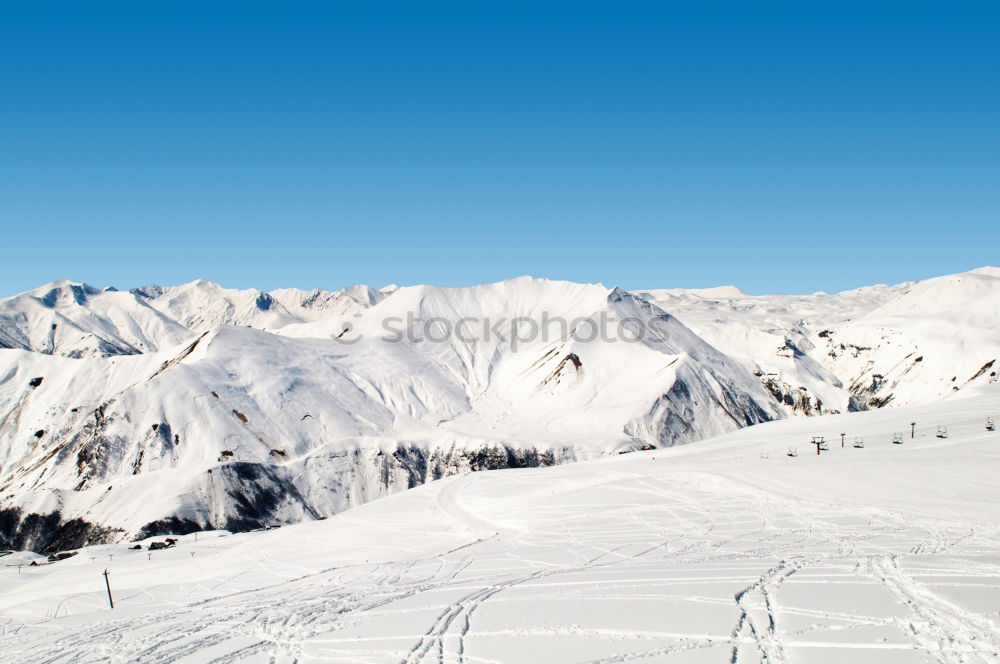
[725, 551]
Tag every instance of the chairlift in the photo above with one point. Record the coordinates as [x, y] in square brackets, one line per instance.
[764, 455]
[859, 442]
[793, 452]
[942, 432]
[990, 426]
[823, 445]
[897, 438]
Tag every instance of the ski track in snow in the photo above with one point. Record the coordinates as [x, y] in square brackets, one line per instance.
[323, 616]
[952, 633]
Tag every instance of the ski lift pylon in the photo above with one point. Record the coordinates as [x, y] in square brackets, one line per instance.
[820, 443]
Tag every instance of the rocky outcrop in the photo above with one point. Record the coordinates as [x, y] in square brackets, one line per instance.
[798, 399]
[50, 532]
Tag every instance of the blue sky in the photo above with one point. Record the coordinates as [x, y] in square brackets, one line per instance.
[781, 147]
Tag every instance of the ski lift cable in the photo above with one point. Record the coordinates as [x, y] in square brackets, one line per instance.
[978, 420]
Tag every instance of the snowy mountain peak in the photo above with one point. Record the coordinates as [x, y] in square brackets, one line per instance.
[716, 293]
[987, 270]
[63, 292]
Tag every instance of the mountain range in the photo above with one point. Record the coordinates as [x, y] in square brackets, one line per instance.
[127, 414]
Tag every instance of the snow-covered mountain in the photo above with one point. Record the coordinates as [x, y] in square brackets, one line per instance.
[936, 337]
[865, 348]
[238, 427]
[78, 320]
[127, 414]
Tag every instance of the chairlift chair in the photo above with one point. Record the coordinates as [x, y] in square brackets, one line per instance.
[793, 452]
[897, 438]
[859, 442]
[990, 426]
[942, 432]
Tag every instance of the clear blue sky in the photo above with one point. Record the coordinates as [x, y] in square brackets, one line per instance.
[782, 147]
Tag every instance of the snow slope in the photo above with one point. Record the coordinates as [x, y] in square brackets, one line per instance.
[725, 551]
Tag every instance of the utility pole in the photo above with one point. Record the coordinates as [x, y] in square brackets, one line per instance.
[107, 584]
[913, 429]
[842, 439]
